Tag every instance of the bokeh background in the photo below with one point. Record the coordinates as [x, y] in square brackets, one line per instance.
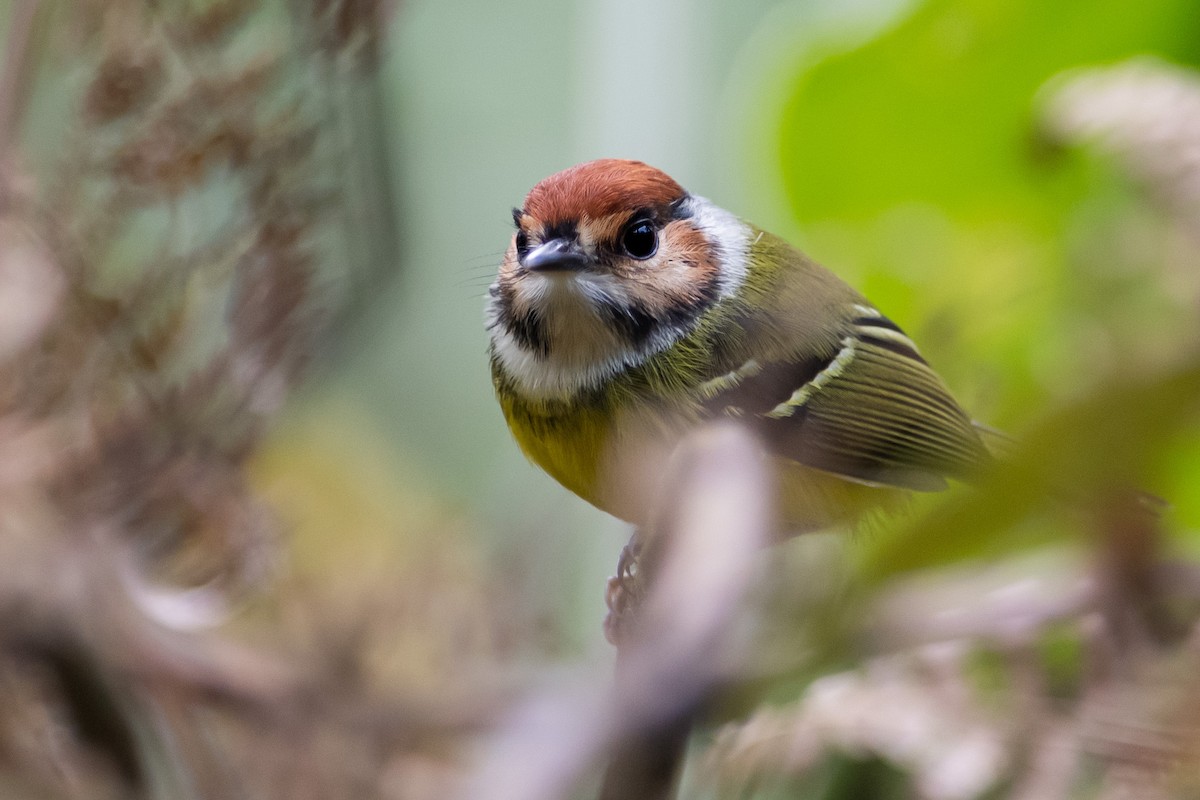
[903, 145]
[1016, 183]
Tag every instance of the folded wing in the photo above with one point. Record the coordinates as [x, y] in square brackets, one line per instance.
[874, 411]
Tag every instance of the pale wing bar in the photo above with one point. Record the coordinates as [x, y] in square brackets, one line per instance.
[873, 411]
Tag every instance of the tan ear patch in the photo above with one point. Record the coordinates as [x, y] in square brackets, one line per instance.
[682, 274]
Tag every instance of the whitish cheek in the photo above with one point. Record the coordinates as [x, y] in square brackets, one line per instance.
[673, 280]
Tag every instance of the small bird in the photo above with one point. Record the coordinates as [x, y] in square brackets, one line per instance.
[628, 311]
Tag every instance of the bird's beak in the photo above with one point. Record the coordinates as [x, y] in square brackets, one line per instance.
[555, 255]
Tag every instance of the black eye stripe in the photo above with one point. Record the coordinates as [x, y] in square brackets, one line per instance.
[681, 208]
[560, 230]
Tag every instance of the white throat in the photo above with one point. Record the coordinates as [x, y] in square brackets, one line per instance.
[585, 349]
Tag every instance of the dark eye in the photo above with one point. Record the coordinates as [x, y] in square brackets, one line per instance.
[522, 242]
[640, 239]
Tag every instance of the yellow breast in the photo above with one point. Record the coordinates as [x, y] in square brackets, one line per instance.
[569, 444]
[580, 445]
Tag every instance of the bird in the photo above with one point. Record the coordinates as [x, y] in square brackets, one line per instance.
[629, 311]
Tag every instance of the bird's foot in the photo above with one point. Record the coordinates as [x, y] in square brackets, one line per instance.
[623, 592]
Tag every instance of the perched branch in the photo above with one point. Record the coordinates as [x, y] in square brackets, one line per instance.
[16, 71]
[692, 579]
[695, 572]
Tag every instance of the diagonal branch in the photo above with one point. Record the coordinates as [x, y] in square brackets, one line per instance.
[16, 71]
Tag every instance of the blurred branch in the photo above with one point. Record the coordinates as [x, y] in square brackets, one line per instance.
[348, 36]
[693, 578]
[1009, 602]
[693, 573]
[16, 71]
[113, 661]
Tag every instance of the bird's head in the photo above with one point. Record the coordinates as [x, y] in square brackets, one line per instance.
[611, 262]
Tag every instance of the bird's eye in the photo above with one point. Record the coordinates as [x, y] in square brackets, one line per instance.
[522, 242]
[640, 239]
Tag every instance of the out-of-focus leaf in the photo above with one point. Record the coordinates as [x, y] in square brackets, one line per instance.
[1107, 441]
[912, 166]
[936, 111]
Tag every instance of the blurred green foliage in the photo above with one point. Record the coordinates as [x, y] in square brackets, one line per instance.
[1031, 275]
[914, 162]
[939, 109]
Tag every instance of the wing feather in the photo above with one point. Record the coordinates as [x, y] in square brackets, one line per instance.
[874, 411]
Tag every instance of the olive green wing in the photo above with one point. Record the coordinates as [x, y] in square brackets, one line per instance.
[873, 411]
